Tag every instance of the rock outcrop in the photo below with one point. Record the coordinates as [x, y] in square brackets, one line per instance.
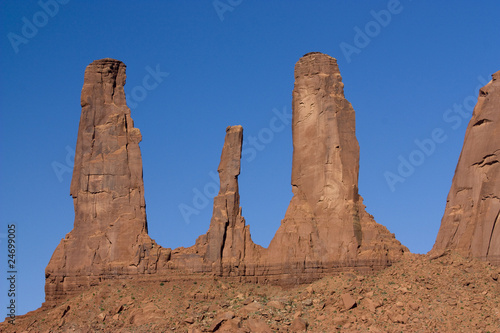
[110, 229]
[326, 226]
[471, 222]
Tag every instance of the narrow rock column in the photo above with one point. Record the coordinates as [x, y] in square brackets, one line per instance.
[471, 221]
[110, 229]
[228, 243]
[227, 211]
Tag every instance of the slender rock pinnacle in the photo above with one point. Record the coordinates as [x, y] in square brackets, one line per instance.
[227, 243]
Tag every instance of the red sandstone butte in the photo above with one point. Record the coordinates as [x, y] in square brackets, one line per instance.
[471, 222]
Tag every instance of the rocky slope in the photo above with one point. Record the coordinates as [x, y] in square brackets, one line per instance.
[471, 221]
[448, 294]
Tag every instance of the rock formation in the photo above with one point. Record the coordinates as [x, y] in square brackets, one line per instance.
[326, 226]
[227, 246]
[471, 222]
[110, 229]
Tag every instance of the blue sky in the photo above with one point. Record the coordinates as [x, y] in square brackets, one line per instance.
[410, 68]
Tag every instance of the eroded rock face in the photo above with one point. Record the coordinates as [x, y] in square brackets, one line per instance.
[326, 226]
[110, 229]
[471, 222]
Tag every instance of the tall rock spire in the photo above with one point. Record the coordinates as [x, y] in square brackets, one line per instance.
[326, 225]
[471, 221]
[110, 228]
[227, 211]
[227, 245]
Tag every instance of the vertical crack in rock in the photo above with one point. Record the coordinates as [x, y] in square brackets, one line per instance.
[495, 223]
[469, 224]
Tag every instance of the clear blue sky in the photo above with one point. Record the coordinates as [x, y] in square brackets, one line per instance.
[404, 74]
